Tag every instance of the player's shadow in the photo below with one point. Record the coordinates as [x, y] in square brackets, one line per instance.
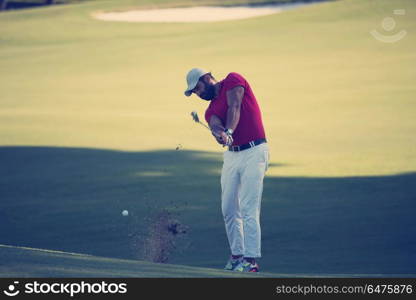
[10, 4]
[71, 199]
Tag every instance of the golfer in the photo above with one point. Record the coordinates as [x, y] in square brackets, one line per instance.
[235, 121]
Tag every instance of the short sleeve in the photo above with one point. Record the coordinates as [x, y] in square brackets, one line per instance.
[234, 79]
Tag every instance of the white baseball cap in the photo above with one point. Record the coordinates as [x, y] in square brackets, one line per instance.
[192, 79]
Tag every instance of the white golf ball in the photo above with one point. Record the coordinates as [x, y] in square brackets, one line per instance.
[125, 213]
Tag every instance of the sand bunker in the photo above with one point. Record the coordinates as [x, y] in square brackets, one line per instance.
[195, 14]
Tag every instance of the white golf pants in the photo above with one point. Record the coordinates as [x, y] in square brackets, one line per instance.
[242, 186]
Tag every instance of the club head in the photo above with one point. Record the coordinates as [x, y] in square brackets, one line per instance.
[195, 116]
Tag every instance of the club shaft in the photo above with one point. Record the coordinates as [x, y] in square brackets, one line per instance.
[205, 126]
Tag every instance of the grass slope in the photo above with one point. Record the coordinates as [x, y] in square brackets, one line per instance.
[92, 112]
[48, 263]
[31, 262]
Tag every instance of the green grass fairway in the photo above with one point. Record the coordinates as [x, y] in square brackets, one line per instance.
[336, 101]
[92, 112]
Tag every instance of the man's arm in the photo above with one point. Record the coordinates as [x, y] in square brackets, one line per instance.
[234, 99]
[217, 129]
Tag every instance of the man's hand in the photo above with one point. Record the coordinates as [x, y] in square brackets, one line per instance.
[219, 140]
[218, 131]
[219, 136]
[228, 139]
[223, 138]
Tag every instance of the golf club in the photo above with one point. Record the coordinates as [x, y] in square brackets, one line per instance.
[195, 117]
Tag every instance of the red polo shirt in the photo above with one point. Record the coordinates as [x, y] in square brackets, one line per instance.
[250, 126]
